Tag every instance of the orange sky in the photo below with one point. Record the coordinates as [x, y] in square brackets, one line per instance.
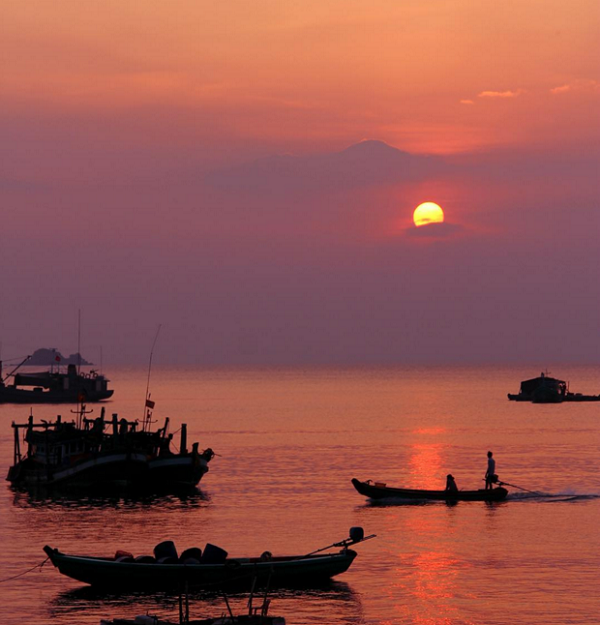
[202, 165]
[424, 76]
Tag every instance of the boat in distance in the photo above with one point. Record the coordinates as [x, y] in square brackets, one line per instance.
[54, 387]
[379, 490]
[547, 390]
[209, 568]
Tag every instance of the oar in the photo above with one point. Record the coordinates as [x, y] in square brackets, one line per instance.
[533, 492]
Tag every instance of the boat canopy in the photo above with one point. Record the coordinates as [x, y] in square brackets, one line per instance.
[530, 386]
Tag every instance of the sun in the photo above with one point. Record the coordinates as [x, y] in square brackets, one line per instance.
[428, 213]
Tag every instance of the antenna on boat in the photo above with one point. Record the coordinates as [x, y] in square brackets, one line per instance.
[148, 403]
[78, 341]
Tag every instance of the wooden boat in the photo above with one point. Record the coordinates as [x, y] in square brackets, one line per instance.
[378, 490]
[99, 453]
[148, 572]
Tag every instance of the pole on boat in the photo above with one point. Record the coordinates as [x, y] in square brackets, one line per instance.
[533, 492]
[16, 368]
[229, 607]
[345, 543]
[78, 341]
[147, 398]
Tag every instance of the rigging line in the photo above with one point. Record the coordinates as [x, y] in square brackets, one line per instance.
[39, 565]
[14, 359]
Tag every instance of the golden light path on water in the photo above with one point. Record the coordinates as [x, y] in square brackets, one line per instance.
[289, 441]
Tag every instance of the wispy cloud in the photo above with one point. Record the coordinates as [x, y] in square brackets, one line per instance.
[433, 230]
[577, 85]
[500, 94]
[467, 102]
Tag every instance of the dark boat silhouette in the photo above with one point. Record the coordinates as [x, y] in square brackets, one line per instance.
[378, 490]
[210, 567]
[548, 390]
[54, 387]
[103, 454]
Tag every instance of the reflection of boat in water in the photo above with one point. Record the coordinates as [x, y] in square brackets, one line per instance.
[205, 568]
[93, 452]
[110, 498]
[547, 390]
[311, 601]
[54, 387]
[378, 490]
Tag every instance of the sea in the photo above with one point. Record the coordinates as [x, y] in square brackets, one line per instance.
[288, 442]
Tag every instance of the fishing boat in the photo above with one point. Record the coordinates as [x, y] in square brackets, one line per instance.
[53, 386]
[210, 567]
[379, 490]
[100, 453]
[548, 390]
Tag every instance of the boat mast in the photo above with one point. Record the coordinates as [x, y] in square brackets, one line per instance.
[147, 401]
[78, 341]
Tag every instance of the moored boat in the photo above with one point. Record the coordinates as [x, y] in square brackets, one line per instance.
[99, 453]
[209, 568]
[379, 490]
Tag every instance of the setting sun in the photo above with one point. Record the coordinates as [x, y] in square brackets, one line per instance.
[428, 213]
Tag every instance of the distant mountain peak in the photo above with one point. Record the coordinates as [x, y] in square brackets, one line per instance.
[373, 146]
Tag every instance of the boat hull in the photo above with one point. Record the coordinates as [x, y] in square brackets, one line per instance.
[553, 399]
[374, 491]
[293, 570]
[176, 470]
[102, 469]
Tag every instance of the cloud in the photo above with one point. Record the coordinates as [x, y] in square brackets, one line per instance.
[467, 102]
[500, 94]
[577, 85]
[433, 231]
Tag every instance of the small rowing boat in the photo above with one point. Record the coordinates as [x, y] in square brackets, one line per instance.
[379, 490]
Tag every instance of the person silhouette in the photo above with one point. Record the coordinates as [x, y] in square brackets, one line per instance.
[451, 484]
[490, 475]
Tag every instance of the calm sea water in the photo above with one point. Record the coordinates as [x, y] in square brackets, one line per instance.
[289, 441]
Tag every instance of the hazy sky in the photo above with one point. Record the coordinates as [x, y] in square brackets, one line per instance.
[245, 174]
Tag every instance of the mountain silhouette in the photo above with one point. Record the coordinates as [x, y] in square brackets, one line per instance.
[362, 164]
[46, 357]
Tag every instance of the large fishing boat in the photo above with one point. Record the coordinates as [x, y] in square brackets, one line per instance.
[100, 453]
[548, 390]
[379, 490]
[53, 386]
[209, 567]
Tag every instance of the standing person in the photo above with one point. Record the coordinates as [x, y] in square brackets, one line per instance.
[490, 475]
